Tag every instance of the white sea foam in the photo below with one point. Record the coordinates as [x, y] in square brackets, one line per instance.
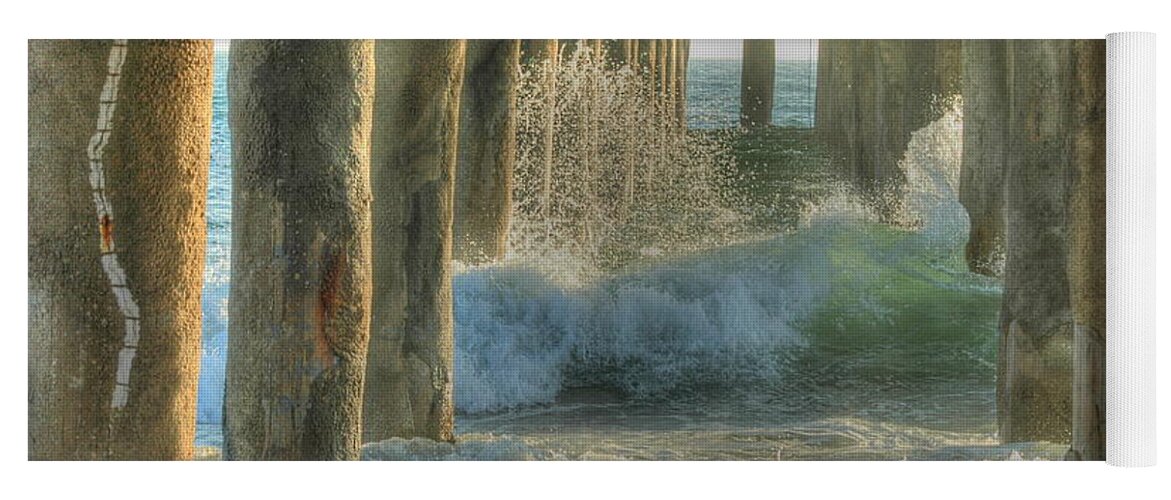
[931, 164]
[521, 336]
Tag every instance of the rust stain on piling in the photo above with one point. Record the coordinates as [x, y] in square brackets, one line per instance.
[106, 224]
[328, 303]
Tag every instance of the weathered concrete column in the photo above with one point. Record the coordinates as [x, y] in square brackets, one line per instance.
[1087, 251]
[645, 52]
[618, 52]
[835, 115]
[670, 66]
[900, 69]
[662, 68]
[299, 312]
[865, 85]
[648, 60]
[417, 110]
[487, 151]
[534, 51]
[543, 56]
[920, 78]
[948, 66]
[907, 93]
[874, 94]
[828, 56]
[119, 145]
[757, 72]
[986, 140]
[1033, 383]
[683, 58]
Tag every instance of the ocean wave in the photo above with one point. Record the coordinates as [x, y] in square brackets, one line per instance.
[522, 336]
[531, 326]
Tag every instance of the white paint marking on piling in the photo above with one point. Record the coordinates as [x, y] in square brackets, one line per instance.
[99, 205]
[121, 395]
[107, 103]
[131, 333]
